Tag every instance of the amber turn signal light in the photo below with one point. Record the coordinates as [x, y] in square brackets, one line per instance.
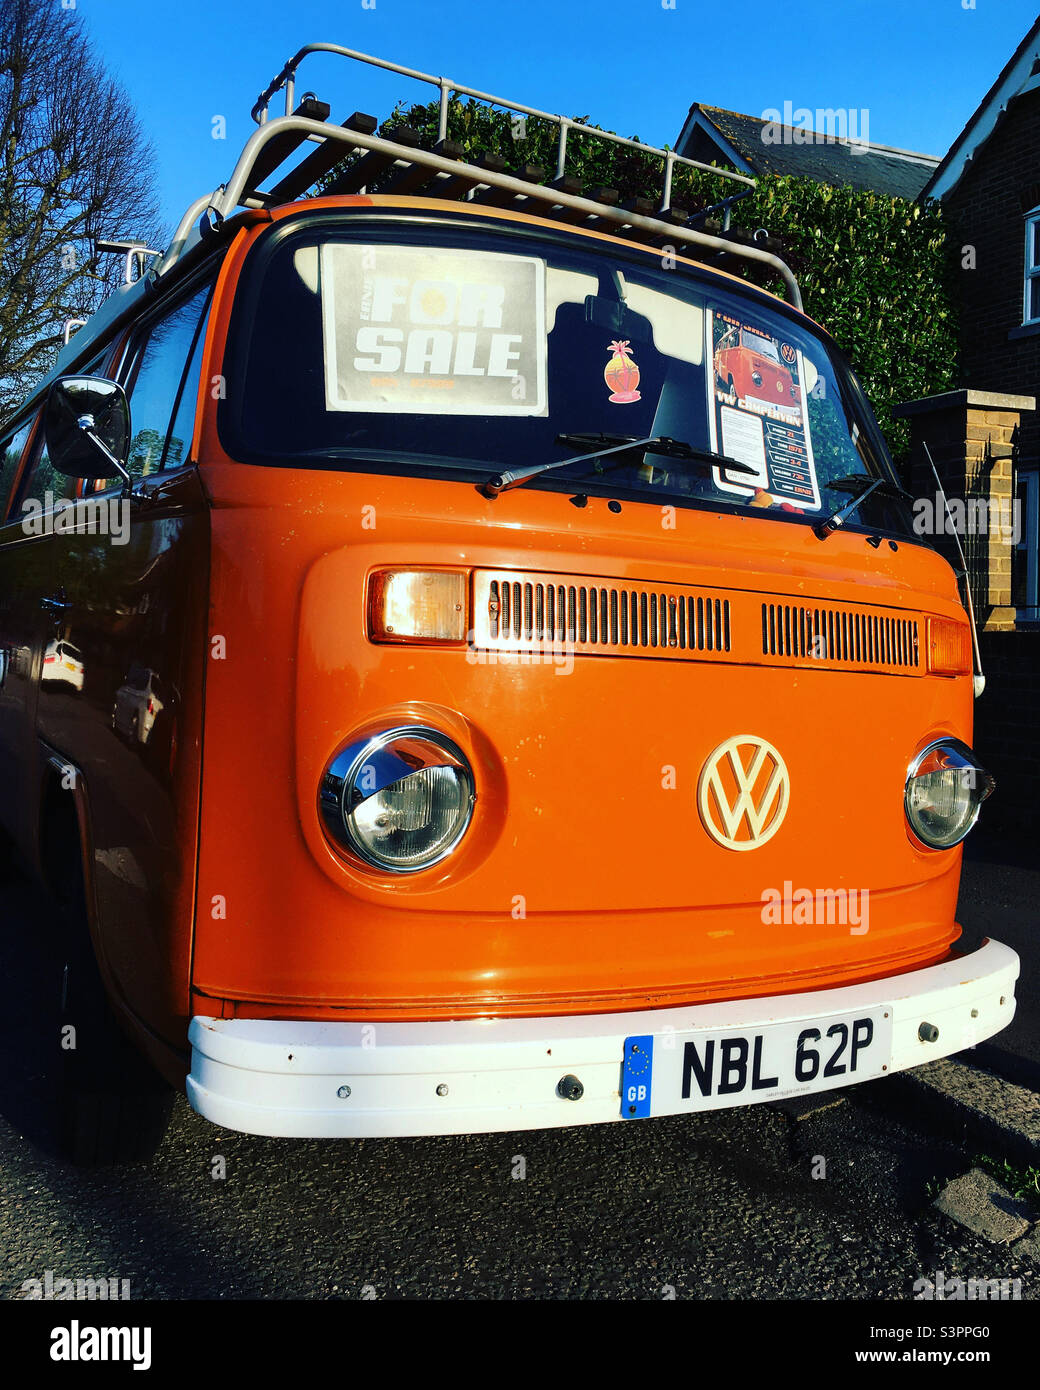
[949, 648]
[418, 606]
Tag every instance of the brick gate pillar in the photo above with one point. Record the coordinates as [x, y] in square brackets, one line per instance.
[972, 437]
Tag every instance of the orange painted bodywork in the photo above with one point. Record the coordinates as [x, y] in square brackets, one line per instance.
[586, 882]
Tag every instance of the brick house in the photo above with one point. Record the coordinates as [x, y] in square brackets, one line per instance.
[989, 186]
[985, 437]
[757, 145]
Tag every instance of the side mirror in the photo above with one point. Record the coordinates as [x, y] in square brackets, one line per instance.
[86, 424]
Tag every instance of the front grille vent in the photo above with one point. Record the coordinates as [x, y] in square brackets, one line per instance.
[840, 636]
[524, 613]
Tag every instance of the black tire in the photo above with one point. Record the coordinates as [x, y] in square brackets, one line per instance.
[114, 1106]
[8, 855]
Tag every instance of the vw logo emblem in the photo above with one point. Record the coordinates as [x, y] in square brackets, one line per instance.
[743, 792]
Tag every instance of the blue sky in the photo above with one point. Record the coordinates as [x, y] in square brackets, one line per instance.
[919, 67]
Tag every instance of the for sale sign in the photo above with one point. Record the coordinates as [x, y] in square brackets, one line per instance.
[433, 331]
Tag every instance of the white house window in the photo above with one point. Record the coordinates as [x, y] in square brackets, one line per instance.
[1031, 312]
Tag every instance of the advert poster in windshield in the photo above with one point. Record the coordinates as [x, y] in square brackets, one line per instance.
[757, 414]
[432, 331]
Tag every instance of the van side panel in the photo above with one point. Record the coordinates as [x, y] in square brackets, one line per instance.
[26, 577]
[136, 613]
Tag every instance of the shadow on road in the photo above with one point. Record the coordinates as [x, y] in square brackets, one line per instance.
[716, 1205]
[1000, 898]
[31, 968]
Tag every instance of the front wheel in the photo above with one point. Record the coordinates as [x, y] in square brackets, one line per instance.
[115, 1107]
[8, 855]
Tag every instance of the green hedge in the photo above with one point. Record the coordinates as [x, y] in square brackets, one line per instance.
[874, 270]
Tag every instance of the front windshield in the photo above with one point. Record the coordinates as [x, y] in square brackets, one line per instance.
[766, 347]
[460, 351]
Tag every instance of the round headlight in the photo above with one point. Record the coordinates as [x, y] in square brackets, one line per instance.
[945, 788]
[400, 800]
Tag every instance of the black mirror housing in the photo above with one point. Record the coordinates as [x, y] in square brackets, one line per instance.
[86, 424]
[616, 318]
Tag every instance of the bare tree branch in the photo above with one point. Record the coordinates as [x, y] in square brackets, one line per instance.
[74, 166]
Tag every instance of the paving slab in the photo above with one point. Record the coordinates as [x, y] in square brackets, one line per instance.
[970, 1104]
[801, 1107]
[980, 1203]
[1028, 1247]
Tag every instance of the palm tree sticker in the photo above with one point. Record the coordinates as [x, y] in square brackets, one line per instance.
[621, 374]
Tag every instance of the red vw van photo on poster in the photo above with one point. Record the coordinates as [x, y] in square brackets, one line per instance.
[758, 412]
[748, 366]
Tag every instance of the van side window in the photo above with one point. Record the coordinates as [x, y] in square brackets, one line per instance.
[160, 362]
[178, 445]
[10, 453]
[46, 484]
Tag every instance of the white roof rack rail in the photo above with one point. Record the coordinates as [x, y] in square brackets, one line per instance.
[443, 171]
[137, 254]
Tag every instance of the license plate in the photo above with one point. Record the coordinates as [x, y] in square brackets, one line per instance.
[666, 1073]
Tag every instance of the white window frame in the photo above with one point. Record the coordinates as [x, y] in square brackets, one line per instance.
[1032, 266]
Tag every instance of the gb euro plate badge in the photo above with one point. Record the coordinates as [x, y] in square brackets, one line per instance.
[636, 1070]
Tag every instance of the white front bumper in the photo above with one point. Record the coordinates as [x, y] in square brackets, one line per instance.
[285, 1077]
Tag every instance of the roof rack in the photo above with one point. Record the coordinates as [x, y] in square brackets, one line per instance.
[443, 172]
[137, 253]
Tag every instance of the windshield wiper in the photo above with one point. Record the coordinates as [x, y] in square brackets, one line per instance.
[612, 444]
[855, 482]
[850, 482]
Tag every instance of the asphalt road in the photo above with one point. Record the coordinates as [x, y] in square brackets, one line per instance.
[721, 1206]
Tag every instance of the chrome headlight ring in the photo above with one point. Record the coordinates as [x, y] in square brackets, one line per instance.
[953, 760]
[367, 798]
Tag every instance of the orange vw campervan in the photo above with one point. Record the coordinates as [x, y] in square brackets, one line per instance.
[474, 714]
